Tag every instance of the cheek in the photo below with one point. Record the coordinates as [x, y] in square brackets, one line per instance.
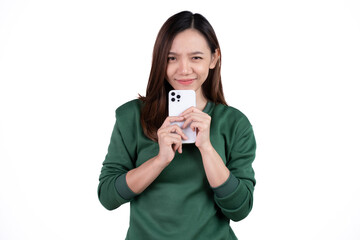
[203, 70]
[169, 71]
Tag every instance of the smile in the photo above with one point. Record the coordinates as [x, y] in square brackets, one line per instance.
[185, 81]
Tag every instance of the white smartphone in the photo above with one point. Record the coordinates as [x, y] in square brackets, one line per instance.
[179, 101]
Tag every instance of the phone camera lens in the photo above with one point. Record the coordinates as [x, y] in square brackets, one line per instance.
[173, 99]
[173, 94]
[178, 96]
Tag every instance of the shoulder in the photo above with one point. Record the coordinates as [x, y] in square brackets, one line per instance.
[129, 110]
[230, 115]
[231, 125]
[128, 120]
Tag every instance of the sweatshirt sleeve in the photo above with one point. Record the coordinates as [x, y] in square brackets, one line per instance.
[112, 187]
[235, 196]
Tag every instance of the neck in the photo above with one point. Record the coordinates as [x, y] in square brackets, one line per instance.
[200, 100]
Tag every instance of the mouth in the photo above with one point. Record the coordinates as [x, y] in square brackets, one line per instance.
[185, 81]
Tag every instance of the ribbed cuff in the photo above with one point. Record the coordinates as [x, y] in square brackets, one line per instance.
[123, 189]
[227, 187]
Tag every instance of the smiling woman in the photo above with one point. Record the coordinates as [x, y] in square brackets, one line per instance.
[178, 191]
[169, 46]
[190, 59]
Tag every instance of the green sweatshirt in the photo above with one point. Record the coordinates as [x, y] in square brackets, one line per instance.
[180, 203]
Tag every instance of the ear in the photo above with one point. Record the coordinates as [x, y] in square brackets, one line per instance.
[214, 58]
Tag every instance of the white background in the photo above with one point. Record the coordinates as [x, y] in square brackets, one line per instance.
[292, 67]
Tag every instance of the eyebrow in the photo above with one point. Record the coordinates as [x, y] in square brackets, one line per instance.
[192, 53]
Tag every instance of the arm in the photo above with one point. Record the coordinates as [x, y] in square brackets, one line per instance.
[237, 203]
[120, 181]
[216, 171]
[234, 182]
[118, 161]
[140, 178]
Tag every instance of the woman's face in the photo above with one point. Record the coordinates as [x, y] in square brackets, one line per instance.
[189, 61]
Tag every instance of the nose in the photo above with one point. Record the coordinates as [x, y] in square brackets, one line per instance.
[184, 67]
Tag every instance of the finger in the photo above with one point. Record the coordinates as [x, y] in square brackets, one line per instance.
[171, 139]
[176, 129]
[180, 149]
[198, 114]
[175, 119]
[193, 118]
[190, 110]
[172, 119]
[177, 145]
[171, 131]
[186, 123]
[197, 126]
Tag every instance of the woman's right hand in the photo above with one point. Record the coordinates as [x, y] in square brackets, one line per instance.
[169, 139]
[139, 178]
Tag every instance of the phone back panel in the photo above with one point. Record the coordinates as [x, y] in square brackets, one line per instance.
[179, 101]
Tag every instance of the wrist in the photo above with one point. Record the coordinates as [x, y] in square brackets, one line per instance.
[206, 148]
[160, 162]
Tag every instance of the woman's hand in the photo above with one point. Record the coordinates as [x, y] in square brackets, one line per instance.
[170, 137]
[216, 171]
[201, 121]
[138, 179]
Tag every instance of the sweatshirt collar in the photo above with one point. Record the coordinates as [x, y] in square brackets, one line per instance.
[208, 107]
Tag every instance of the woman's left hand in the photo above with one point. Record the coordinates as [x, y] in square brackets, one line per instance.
[200, 121]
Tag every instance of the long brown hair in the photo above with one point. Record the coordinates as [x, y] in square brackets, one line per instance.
[154, 110]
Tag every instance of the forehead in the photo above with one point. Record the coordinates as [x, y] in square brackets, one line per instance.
[189, 40]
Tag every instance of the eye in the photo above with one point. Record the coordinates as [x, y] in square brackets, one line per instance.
[171, 59]
[197, 58]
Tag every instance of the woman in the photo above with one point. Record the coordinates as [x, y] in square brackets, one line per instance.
[175, 190]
